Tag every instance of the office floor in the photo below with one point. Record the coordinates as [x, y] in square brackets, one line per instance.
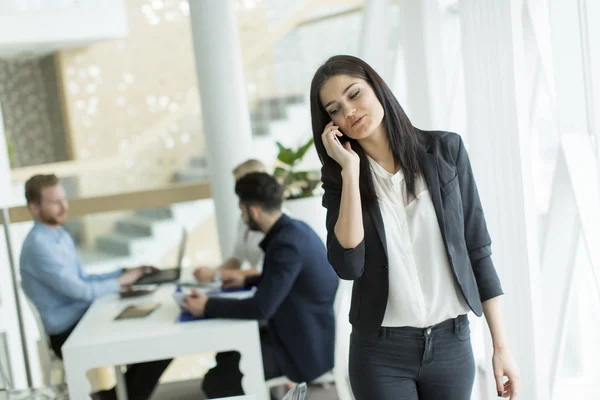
[190, 390]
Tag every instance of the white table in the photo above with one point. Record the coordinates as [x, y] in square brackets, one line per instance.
[99, 340]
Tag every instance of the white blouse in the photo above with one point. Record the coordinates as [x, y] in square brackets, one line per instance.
[422, 289]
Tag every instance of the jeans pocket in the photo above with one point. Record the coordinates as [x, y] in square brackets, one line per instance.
[364, 340]
[463, 331]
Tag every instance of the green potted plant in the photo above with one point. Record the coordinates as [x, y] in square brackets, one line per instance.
[297, 184]
[301, 187]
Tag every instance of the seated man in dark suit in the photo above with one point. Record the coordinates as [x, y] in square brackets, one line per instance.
[295, 294]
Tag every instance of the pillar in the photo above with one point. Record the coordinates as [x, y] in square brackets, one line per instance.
[425, 69]
[373, 40]
[497, 120]
[225, 115]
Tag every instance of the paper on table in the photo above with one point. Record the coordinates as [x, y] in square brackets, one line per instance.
[239, 294]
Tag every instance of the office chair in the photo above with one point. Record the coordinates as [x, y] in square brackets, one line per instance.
[53, 371]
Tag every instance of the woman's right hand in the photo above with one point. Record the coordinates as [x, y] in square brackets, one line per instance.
[342, 154]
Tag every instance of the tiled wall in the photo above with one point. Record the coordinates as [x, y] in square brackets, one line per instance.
[31, 111]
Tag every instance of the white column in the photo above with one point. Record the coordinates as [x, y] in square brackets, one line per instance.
[225, 115]
[573, 75]
[497, 122]
[592, 41]
[424, 64]
[374, 45]
[568, 59]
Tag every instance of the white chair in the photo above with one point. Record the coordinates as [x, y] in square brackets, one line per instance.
[53, 371]
[339, 374]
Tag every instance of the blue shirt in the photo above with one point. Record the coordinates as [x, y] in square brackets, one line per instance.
[52, 277]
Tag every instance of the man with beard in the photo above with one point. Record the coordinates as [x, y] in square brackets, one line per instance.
[295, 294]
[246, 251]
[52, 277]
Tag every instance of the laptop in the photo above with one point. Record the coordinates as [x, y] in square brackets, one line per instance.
[169, 274]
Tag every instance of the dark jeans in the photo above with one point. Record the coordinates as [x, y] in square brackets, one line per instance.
[411, 363]
[225, 379]
[141, 379]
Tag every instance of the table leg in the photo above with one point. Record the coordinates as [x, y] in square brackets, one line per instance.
[251, 365]
[77, 382]
[121, 388]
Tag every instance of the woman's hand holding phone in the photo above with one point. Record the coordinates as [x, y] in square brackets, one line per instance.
[341, 153]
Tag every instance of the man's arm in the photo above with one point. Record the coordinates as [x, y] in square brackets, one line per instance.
[204, 274]
[252, 280]
[232, 263]
[275, 284]
[50, 270]
[99, 277]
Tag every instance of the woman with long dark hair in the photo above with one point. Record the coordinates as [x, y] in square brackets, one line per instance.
[405, 223]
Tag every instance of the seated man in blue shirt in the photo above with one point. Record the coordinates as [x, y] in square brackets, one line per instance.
[295, 294]
[52, 277]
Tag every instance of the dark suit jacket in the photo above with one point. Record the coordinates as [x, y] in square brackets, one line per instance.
[446, 168]
[295, 293]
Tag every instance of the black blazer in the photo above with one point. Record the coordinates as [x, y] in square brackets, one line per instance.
[295, 293]
[446, 168]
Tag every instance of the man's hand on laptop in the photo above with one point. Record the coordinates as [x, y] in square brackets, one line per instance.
[131, 275]
[195, 303]
[233, 279]
[204, 274]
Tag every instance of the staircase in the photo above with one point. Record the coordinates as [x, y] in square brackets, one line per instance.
[139, 232]
[271, 110]
[197, 171]
[136, 236]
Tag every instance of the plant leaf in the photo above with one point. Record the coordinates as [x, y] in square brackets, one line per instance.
[303, 149]
[280, 146]
[280, 172]
[300, 175]
[285, 155]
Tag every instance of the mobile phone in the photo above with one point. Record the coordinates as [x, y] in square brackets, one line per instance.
[341, 139]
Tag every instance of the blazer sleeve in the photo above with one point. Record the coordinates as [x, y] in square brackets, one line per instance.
[477, 237]
[276, 282]
[252, 280]
[349, 264]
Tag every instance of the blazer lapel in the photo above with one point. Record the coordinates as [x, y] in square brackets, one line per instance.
[375, 213]
[429, 168]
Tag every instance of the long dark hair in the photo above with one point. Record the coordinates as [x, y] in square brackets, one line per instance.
[401, 133]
